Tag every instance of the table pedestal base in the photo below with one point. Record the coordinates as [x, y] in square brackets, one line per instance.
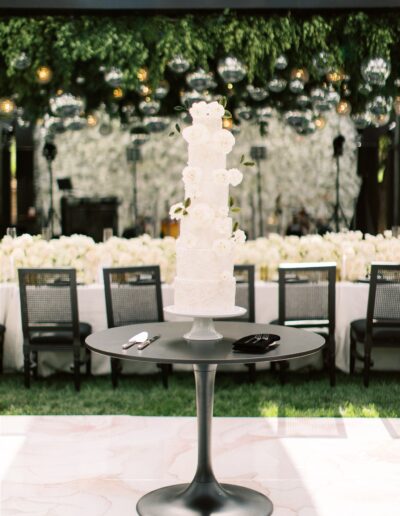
[201, 499]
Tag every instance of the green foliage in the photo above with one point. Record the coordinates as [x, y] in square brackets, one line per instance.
[80, 45]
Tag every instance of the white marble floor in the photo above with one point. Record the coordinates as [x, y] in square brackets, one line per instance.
[101, 465]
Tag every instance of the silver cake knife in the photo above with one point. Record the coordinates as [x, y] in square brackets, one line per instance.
[147, 342]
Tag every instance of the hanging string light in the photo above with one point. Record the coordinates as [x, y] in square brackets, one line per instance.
[44, 74]
[7, 106]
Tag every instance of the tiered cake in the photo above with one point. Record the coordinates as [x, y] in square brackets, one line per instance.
[204, 281]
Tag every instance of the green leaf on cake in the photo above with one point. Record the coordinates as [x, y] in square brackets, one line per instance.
[188, 202]
[236, 209]
[172, 133]
[223, 101]
[227, 114]
[249, 163]
[231, 201]
[179, 108]
[241, 159]
[178, 128]
[185, 212]
[235, 226]
[177, 210]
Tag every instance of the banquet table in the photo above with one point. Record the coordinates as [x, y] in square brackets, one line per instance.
[351, 303]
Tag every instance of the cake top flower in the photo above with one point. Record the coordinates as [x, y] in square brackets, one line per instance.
[203, 109]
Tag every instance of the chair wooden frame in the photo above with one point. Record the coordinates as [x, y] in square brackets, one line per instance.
[2, 332]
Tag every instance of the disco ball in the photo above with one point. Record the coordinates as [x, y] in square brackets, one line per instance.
[333, 97]
[322, 105]
[244, 112]
[264, 114]
[75, 123]
[302, 101]
[257, 93]
[161, 90]
[139, 135]
[66, 105]
[149, 108]
[114, 77]
[379, 105]
[298, 119]
[281, 62]
[53, 124]
[128, 110]
[310, 128]
[364, 88]
[317, 94]
[362, 120]
[21, 62]
[156, 124]
[277, 84]
[179, 64]
[199, 80]
[80, 80]
[296, 86]
[231, 69]
[190, 97]
[321, 63]
[380, 120]
[375, 70]
[105, 128]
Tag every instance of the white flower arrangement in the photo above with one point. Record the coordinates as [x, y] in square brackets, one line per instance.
[221, 176]
[222, 246]
[235, 176]
[239, 236]
[196, 134]
[204, 109]
[224, 140]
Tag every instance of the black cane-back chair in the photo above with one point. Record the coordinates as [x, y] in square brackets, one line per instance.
[50, 321]
[381, 328]
[133, 296]
[2, 331]
[307, 300]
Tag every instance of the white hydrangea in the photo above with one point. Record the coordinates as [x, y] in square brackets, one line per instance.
[191, 175]
[176, 211]
[223, 226]
[221, 176]
[222, 246]
[224, 140]
[204, 109]
[235, 176]
[225, 276]
[239, 237]
[196, 134]
[201, 214]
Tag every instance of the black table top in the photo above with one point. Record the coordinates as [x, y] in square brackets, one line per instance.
[173, 348]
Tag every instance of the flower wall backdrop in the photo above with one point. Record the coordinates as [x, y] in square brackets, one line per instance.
[299, 169]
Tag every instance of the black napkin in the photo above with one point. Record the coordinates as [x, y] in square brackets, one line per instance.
[256, 343]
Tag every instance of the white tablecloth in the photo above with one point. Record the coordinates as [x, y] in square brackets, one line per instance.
[351, 303]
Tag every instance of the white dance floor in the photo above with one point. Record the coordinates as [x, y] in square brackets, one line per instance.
[101, 465]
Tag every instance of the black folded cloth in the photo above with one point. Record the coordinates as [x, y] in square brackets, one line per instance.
[261, 343]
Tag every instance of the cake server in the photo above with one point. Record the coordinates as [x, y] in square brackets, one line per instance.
[136, 339]
[147, 342]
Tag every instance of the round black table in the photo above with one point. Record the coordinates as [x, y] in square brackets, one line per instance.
[204, 496]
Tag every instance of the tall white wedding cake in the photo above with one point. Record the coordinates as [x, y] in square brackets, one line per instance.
[204, 281]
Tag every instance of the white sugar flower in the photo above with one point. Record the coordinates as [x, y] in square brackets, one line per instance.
[239, 237]
[191, 175]
[201, 214]
[197, 109]
[196, 134]
[222, 212]
[202, 109]
[221, 176]
[223, 226]
[222, 246]
[224, 140]
[189, 241]
[225, 276]
[235, 176]
[176, 211]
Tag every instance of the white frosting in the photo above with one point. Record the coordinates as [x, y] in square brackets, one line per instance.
[205, 248]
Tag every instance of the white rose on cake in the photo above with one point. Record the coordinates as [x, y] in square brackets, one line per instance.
[224, 140]
[202, 109]
[235, 176]
[221, 176]
[222, 246]
[176, 211]
[223, 226]
[222, 212]
[191, 175]
[201, 214]
[225, 276]
[239, 237]
[196, 134]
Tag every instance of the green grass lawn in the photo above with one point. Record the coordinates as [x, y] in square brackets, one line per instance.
[302, 395]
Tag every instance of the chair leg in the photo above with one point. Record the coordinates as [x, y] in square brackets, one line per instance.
[252, 372]
[114, 372]
[88, 362]
[27, 369]
[353, 344]
[367, 363]
[332, 365]
[165, 368]
[282, 367]
[1, 352]
[35, 355]
[77, 370]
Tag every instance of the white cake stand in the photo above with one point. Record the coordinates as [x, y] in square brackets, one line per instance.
[203, 323]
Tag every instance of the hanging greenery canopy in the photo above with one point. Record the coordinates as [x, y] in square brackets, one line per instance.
[121, 61]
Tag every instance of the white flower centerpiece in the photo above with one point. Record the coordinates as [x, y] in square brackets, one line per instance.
[204, 283]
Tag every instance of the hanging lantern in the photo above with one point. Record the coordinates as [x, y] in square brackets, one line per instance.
[142, 74]
[296, 86]
[161, 91]
[362, 120]
[257, 93]
[114, 77]
[231, 69]
[277, 84]
[335, 76]
[375, 71]
[199, 80]
[21, 62]
[179, 64]
[227, 123]
[300, 74]
[66, 105]
[149, 107]
[343, 108]
[190, 97]
[281, 62]
[7, 107]
[44, 74]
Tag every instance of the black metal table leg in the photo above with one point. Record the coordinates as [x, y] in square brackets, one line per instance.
[204, 496]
